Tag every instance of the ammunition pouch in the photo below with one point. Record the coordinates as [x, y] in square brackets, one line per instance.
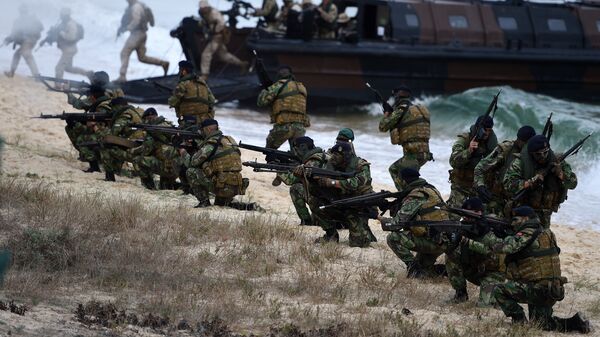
[462, 177]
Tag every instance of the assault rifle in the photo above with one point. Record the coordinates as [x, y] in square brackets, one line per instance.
[311, 171]
[490, 112]
[379, 199]
[570, 152]
[263, 76]
[438, 226]
[548, 128]
[110, 140]
[384, 104]
[51, 36]
[273, 155]
[73, 87]
[160, 86]
[169, 130]
[501, 228]
[78, 117]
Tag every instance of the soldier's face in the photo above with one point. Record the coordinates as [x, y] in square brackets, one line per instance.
[541, 156]
[486, 133]
[338, 159]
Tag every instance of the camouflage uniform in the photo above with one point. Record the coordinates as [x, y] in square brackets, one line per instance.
[268, 12]
[26, 31]
[92, 132]
[478, 266]
[327, 20]
[217, 44]
[114, 156]
[216, 168]
[157, 156]
[136, 21]
[193, 101]
[418, 205]
[533, 262]
[287, 97]
[490, 171]
[463, 165]
[315, 158]
[409, 126]
[544, 197]
[329, 219]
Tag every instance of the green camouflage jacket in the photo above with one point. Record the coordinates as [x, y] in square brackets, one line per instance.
[494, 165]
[514, 179]
[315, 158]
[388, 123]
[461, 157]
[152, 141]
[508, 245]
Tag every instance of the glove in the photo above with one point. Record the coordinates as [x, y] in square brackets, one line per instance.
[326, 182]
[482, 228]
[298, 171]
[557, 170]
[484, 194]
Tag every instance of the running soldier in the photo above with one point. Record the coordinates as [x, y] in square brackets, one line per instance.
[26, 31]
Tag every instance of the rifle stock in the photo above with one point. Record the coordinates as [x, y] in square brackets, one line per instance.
[272, 155]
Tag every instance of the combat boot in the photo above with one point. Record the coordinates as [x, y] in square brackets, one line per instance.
[166, 184]
[109, 176]
[307, 222]
[519, 319]
[276, 181]
[460, 296]
[203, 203]
[576, 323]
[330, 236]
[415, 271]
[148, 183]
[94, 167]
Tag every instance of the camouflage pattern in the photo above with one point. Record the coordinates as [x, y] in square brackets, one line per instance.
[463, 165]
[216, 168]
[478, 266]
[413, 136]
[418, 205]
[280, 133]
[490, 172]
[315, 158]
[544, 197]
[331, 219]
[532, 260]
[287, 99]
[112, 156]
[192, 98]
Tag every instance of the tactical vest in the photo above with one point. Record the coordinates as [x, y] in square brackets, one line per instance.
[224, 167]
[538, 261]
[547, 195]
[465, 175]
[413, 131]
[135, 118]
[290, 103]
[195, 101]
[428, 211]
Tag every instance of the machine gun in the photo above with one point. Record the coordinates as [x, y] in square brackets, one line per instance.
[72, 87]
[263, 76]
[78, 117]
[273, 155]
[490, 112]
[387, 108]
[160, 86]
[169, 130]
[548, 128]
[310, 171]
[238, 8]
[439, 226]
[501, 228]
[51, 36]
[379, 199]
[570, 152]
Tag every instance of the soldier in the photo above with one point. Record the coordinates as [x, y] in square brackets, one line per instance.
[136, 19]
[215, 168]
[544, 194]
[219, 37]
[310, 156]
[268, 12]
[66, 35]
[491, 169]
[532, 259]
[192, 99]
[324, 190]
[26, 31]
[409, 126]
[114, 156]
[327, 19]
[347, 29]
[287, 98]
[467, 151]
[100, 79]
[282, 16]
[477, 266]
[419, 205]
[156, 155]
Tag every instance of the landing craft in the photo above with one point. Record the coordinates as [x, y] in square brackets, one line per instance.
[438, 47]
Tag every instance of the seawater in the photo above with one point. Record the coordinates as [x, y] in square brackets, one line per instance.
[451, 115]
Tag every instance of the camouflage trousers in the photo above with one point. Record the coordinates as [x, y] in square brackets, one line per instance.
[113, 159]
[150, 165]
[404, 243]
[280, 133]
[360, 234]
[298, 195]
[458, 195]
[412, 160]
[224, 185]
[460, 270]
[540, 297]
[88, 153]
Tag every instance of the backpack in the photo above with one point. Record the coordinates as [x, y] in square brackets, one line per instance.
[80, 32]
[148, 15]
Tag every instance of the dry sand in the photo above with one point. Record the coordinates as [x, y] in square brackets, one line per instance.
[39, 150]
